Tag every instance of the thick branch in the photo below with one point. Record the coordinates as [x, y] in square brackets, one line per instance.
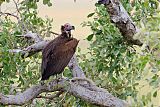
[121, 19]
[74, 67]
[29, 94]
[96, 97]
[33, 36]
[89, 91]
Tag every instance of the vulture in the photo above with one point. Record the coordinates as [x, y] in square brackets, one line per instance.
[57, 53]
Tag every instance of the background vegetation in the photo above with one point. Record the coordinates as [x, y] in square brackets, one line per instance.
[128, 72]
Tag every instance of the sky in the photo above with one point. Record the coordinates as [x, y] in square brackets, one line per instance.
[64, 11]
[68, 11]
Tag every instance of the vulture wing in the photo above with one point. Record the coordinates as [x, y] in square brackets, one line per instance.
[56, 56]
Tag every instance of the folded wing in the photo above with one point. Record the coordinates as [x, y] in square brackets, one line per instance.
[56, 56]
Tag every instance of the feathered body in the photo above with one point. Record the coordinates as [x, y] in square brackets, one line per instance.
[57, 54]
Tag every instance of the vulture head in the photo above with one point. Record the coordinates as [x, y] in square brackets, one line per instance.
[66, 29]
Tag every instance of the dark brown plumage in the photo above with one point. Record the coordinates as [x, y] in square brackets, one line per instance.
[57, 54]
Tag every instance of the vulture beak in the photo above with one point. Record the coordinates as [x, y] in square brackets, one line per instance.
[73, 28]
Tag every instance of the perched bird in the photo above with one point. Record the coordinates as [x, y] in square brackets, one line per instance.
[57, 54]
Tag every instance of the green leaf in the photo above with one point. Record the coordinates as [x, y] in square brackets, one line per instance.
[155, 94]
[89, 38]
[49, 4]
[90, 15]
[100, 67]
[45, 2]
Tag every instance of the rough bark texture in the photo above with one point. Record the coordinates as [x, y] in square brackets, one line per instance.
[121, 19]
[73, 65]
[85, 92]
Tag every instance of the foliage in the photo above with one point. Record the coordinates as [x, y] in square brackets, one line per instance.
[112, 58]
[122, 69]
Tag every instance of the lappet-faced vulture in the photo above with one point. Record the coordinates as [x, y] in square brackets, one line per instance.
[57, 54]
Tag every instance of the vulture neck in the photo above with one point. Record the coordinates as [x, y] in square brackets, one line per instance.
[65, 35]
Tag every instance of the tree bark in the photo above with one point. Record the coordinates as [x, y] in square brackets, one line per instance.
[120, 17]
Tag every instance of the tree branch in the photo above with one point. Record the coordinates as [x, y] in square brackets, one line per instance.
[96, 97]
[28, 95]
[10, 14]
[121, 19]
[33, 36]
[74, 67]
[30, 50]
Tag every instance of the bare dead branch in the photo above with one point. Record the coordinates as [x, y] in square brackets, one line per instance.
[27, 95]
[121, 19]
[31, 50]
[33, 36]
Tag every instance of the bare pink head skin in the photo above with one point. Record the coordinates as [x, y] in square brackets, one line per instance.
[66, 28]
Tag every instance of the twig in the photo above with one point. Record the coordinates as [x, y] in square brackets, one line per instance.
[51, 97]
[16, 4]
[54, 33]
[10, 14]
[22, 22]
